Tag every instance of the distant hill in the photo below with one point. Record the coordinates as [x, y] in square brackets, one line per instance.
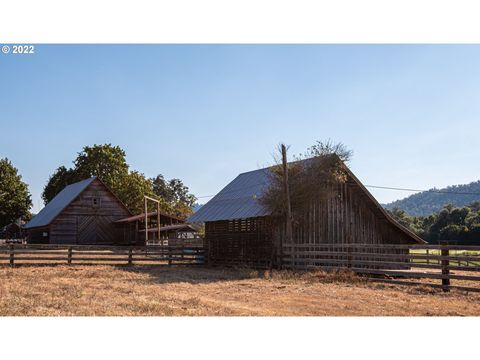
[428, 202]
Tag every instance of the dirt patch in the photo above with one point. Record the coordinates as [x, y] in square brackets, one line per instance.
[183, 291]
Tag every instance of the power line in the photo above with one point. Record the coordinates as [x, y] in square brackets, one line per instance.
[380, 187]
[416, 190]
[236, 190]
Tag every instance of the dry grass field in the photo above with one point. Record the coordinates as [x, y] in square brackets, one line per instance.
[183, 291]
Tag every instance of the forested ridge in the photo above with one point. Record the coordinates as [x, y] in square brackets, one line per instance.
[432, 201]
[455, 224]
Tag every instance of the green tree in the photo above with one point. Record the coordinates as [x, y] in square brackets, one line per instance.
[311, 176]
[15, 200]
[109, 164]
[162, 189]
[175, 194]
[451, 223]
[401, 217]
[474, 233]
[132, 190]
[106, 161]
[415, 224]
[453, 232]
[475, 206]
[327, 148]
[57, 181]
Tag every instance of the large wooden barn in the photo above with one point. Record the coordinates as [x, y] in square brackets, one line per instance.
[89, 213]
[82, 213]
[239, 229]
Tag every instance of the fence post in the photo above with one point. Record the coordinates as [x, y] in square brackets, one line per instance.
[445, 268]
[12, 254]
[273, 258]
[206, 249]
[349, 257]
[169, 255]
[69, 255]
[293, 256]
[130, 256]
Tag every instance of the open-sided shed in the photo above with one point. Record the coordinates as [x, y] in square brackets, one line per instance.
[133, 228]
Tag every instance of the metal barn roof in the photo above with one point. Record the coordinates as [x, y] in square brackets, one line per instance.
[238, 200]
[58, 203]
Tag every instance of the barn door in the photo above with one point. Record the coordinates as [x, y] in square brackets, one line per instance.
[95, 229]
[86, 230]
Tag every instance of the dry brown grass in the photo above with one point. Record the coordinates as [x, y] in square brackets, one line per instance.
[180, 291]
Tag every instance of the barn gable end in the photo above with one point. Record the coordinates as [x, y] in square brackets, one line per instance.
[89, 218]
[80, 214]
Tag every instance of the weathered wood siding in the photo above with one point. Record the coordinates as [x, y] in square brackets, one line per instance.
[83, 222]
[245, 241]
[347, 216]
[36, 236]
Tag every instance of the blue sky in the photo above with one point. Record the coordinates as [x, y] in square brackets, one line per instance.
[203, 114]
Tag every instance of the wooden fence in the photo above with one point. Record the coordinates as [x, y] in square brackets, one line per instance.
[99, 255]
[443, 266]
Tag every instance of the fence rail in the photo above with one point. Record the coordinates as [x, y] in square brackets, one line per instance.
[97, 255]
[445, 266]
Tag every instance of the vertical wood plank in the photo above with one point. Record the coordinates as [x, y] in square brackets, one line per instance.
[130, 256]
[12, 256]
[146, 221]
[445, 270]
[158, 221]
[69, 256]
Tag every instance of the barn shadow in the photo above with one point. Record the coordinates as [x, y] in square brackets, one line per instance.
[164, 274]
[197, 274]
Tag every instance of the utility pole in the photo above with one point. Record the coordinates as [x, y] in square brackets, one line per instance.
[146, 220]
[289, 235]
